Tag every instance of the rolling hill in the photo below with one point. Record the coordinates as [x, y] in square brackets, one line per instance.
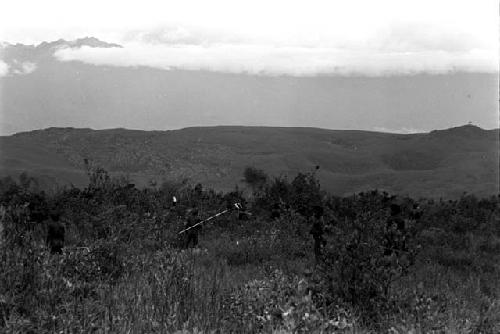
[442, 163]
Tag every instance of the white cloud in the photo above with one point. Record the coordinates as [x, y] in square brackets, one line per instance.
[16, 68]
[289, 60]
[4, 68]
[28, 67]
[25, 68]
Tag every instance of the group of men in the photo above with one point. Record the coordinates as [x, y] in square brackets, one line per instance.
[191, 227]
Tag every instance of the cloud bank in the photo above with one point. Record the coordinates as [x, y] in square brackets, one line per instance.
[284, 60]
[397, 47]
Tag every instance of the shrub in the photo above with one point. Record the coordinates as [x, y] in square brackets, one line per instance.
[255, 178]
[305, 194]
[357, 267]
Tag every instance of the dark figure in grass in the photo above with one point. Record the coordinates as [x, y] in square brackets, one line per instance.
[55, 233]
[395, 232]
[317, 231]
[191, 235]
[416, 212]
[275, 211]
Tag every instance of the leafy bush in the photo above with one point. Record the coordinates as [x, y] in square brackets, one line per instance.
[260, 241]
[121, 271]
[359, 265]
[255, 178]
[280, 303]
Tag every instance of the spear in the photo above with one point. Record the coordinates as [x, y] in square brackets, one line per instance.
[236, 205]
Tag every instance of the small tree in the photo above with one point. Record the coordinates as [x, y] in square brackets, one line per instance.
[255, 178]
[27, 183]
[306, 194]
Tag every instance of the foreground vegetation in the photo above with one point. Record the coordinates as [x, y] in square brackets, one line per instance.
[123, 271]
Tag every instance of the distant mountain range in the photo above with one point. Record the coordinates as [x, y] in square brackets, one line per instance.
[443, 163]
[39, 90]
[16, 56]
[22, 52]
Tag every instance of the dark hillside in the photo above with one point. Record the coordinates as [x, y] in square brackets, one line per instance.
[440, 163]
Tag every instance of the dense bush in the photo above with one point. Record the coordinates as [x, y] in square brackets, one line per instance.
[255, 178]
[361, 260]
[122, 269]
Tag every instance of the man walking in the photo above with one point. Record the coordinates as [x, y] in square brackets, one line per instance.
[191, 235]
[55, 233]
[395, 232]
[317, 231]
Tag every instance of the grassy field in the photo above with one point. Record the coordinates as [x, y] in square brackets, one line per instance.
[122, 270]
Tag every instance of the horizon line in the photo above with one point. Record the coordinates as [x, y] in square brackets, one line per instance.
[243, 126]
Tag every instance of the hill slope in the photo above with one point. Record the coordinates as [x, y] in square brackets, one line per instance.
[440, 163]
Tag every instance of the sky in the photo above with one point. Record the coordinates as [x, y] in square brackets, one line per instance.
[312, 38]
[298, 38]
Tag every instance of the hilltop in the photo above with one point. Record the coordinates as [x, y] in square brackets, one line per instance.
[443, 163]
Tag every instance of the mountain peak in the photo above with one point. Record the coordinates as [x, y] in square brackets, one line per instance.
[15, 54]
[94, 43]
[85, 41]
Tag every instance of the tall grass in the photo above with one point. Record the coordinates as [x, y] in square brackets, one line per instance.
[121, 271]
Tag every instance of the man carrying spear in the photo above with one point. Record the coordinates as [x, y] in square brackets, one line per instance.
[192, 229]
[193, 223]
